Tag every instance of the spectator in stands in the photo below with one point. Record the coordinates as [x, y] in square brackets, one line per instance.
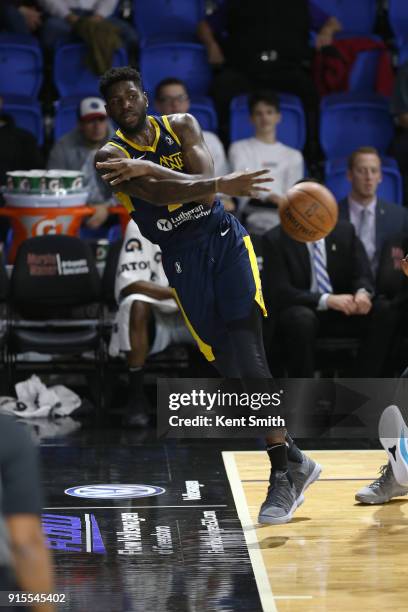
[20, 152]
[265, 151]
[375, 221]
[24, 559]
[62, 16]
[148, 319]
[399, 109]
[171, 96]
[20, 16]
[76, 151]
[265, 43]
[324, 289]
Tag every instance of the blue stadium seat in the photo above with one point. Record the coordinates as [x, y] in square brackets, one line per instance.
[21, 65]
[71, 75]
[185, 61]
[398, 18]
[203, 110]
[363, 75]
[390, 189]
[26, 113]
[167, 20]
[291, 130]
[355, 15]
[352, 120]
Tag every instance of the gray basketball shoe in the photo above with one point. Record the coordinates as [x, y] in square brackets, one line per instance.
[280, 502]
[381, 490]
[303, 474]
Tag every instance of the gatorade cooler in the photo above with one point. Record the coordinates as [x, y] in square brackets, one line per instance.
[38, 214]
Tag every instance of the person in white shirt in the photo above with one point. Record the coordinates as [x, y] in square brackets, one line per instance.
[62, 15]
[148, 319]
[264, 151]
[171, 96]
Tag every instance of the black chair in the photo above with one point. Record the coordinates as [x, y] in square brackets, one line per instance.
[54, 305]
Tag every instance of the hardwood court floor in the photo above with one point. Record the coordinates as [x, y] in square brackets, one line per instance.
[335, 555]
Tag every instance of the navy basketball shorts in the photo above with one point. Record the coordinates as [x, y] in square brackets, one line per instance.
[215, 282]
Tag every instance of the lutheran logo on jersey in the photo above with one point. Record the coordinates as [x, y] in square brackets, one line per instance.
[173, 161]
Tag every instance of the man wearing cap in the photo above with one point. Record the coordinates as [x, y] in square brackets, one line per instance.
[76, 151]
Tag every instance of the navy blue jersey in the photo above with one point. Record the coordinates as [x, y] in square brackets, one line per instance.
[176, 224]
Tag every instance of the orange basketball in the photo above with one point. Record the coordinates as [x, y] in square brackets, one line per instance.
[309, 212]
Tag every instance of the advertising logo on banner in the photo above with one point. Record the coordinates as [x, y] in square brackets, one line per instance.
[114, 491]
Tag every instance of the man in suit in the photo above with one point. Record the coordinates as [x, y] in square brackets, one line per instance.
[323, 288]
[375, 221]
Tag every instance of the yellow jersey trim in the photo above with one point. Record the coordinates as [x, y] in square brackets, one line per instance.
[203, 346]
[168, 127]
[115, 144]
[255, 271]
[125, 200]
[139, 147]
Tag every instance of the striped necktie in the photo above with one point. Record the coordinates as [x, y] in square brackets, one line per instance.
[322, 277]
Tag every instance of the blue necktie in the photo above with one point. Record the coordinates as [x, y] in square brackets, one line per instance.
[322, 277]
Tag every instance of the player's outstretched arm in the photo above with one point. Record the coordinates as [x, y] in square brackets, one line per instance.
[162, 186]
[183, 188]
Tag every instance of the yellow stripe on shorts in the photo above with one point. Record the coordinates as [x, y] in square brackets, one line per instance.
[255, 271]
[203, 346]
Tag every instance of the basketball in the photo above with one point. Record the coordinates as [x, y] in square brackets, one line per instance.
[309, 212]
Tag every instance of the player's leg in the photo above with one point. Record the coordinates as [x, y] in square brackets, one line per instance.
[393, 479]
[135, 327]
[291, 470]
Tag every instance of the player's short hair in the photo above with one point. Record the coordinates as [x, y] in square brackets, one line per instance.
[263, 95]
[115, 75]
[361, 151]
[169, 81]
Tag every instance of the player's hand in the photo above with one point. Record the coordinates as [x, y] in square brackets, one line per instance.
[363, 303]
[343, 303]
[122, 169]
[248, 183]
[99, 217]
[404, 265]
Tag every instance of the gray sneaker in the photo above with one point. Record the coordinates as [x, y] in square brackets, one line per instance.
[303, 474]
[280, 502]
[384, 488]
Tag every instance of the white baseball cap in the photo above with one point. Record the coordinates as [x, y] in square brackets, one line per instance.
[91, 108]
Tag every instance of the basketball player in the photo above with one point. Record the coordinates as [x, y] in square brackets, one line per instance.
[393, 479]
[163, 174]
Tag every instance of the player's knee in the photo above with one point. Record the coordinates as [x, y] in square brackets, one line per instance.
[139, 315]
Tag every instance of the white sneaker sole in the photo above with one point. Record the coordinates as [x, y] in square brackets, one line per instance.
[317, 470]
[371, 501]
[393, 434]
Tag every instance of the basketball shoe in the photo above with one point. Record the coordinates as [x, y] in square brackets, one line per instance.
[280, 502]
[393, 434]
[382, 489]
